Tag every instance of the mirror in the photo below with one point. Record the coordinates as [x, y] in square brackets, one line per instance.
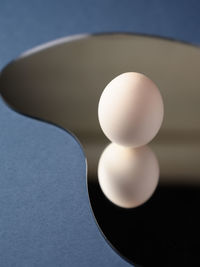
[61, 83]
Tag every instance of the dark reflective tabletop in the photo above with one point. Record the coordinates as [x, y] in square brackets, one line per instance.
[61, 83]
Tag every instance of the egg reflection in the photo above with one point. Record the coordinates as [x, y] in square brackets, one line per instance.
[128, 176]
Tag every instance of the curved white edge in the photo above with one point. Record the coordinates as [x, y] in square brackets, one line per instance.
[53, 43]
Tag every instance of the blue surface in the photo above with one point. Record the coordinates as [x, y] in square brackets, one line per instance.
[45, 219]
[25, 23]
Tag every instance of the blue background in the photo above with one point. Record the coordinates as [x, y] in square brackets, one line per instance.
[45, 218]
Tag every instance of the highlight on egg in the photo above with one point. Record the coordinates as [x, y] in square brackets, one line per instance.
[131, 110]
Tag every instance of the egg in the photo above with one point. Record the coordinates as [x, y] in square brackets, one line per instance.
[128, 176]
[131, 110]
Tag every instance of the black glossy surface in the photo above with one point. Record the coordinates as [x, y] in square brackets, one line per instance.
[165, 231]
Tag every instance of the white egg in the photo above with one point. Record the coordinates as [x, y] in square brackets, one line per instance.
[128, 176]
[131, 110]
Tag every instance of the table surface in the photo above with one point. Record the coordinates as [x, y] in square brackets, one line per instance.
[45, 214]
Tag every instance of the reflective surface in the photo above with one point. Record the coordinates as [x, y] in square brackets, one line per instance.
[128, 176]
[62, 82]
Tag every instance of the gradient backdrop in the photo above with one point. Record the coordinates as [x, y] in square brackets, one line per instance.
[45, 218]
